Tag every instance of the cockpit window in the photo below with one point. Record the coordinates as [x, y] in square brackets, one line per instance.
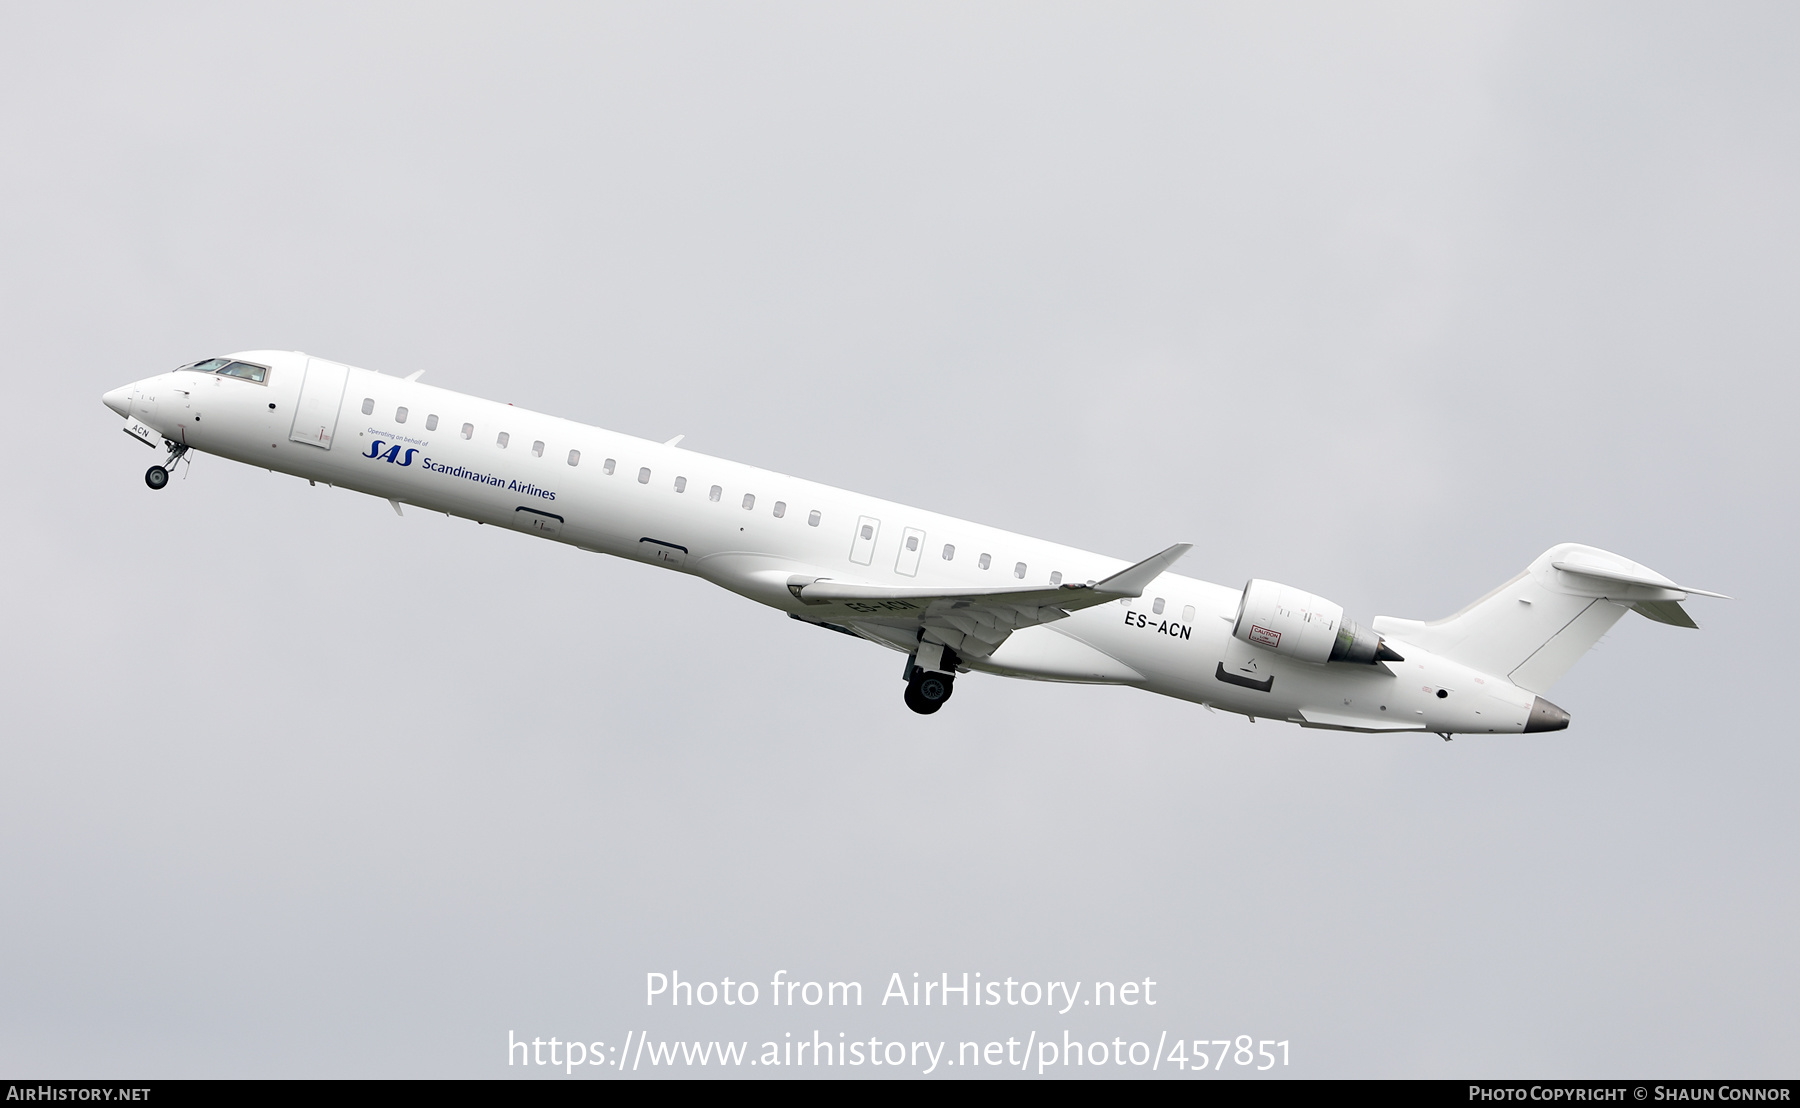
[228, 368]
[245, 370]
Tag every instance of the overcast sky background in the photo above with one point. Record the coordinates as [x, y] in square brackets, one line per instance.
[1377, 300]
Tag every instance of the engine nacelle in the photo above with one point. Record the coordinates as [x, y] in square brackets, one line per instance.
[1300, 625]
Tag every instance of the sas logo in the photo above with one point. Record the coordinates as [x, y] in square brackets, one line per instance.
[392, 453]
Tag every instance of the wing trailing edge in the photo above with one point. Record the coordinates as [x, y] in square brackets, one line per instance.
[974, 621]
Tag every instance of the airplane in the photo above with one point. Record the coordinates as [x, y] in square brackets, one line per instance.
[950, 595]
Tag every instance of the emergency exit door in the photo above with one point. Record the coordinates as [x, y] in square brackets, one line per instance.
[862, 547]
[912, 544]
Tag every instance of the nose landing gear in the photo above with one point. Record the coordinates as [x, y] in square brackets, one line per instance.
[158, 476]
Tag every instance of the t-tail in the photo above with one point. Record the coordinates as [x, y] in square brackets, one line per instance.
[1535, 627]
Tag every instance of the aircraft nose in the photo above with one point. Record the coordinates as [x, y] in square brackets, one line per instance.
[119, 400]
[1546, 716]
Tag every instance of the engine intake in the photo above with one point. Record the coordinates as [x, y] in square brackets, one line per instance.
[1300, 625]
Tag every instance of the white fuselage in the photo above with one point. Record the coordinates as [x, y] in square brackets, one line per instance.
[748, 530]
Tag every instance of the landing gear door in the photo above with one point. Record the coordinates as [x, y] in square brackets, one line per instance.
[321, 396]
[862, 547]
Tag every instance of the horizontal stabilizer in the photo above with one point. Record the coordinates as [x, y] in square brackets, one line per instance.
[1638, 575]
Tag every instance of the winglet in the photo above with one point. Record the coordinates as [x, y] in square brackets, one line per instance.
[1133, 581]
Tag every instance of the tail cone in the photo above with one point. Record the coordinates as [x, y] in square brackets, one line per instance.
[1546, 716]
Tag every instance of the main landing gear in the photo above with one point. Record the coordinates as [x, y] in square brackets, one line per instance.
[158, 476]
[926, 692]
[930, 677]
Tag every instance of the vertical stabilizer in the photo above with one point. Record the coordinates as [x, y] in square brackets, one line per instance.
[1533, 628]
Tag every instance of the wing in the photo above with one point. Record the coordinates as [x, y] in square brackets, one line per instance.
[973, 622]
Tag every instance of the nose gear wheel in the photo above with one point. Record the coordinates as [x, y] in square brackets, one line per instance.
[157, 477]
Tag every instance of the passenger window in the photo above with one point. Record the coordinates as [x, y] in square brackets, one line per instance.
[1187, 614]
[812, 519]
[714, 493]
[1056, 578]
[503, 439]
[912, 542]
[399, 415]
[949, 552]
[431, 423]
[644, 476]
[780, 508]
[681, 484]
[985, 561]
[574, 457]
[468, 430]
[368, 405]
[537, 449]
[1019, 571]
[749, 501]
[606, 467]
[868, 532]
[1156, 607]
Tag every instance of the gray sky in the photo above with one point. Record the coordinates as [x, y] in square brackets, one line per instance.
[1377, 300]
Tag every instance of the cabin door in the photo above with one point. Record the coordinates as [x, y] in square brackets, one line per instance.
[321, 395]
